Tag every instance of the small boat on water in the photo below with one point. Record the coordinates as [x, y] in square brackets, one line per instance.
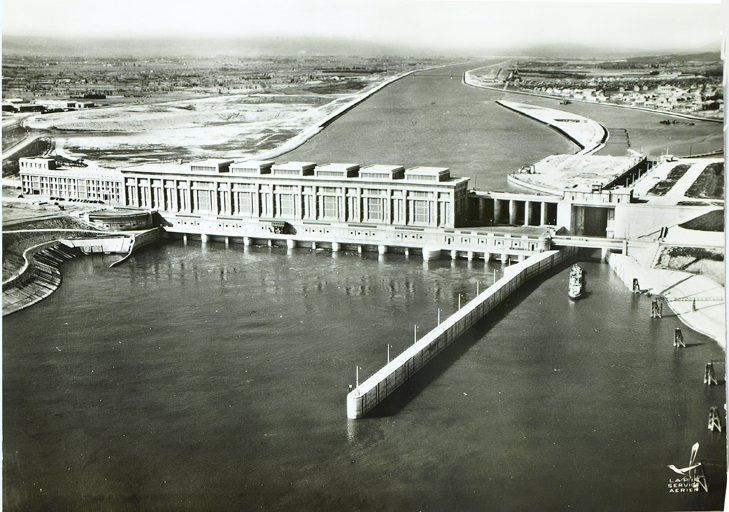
[576, 282]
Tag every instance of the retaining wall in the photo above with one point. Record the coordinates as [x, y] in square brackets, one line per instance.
[103, 245]
[375, 389]
[40, 275]
[706, 315]
[39, 278]
[140, 240]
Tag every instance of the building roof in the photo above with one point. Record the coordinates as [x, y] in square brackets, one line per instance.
[307, 170]
[253, 164]
[428, 173]
[295, 166]
[77, 172]
[559, 172]
[341, 170]
[383, 168]
[212, 162]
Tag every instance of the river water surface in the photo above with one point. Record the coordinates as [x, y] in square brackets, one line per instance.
[433, 119]
[214, 378]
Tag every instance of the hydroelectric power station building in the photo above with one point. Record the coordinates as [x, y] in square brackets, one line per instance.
[348, 206]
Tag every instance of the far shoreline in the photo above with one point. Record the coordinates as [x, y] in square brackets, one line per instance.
[470, 81]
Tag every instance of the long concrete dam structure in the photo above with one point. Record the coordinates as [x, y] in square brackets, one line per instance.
[379, 386]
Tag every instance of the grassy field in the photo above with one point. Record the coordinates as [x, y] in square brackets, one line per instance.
[709, 184]
[712, 221]
[694, 260]
[13, 135]
[663, 186]
[38, 147]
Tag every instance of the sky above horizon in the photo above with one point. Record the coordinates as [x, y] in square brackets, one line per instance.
[427, 24]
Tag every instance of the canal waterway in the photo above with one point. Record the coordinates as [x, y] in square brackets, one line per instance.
[433, 118]
[214, 378]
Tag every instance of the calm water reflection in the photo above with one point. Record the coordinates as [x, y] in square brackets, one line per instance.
[215, 378]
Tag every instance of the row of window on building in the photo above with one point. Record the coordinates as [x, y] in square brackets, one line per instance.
[293, 191]
[73, 188]
[295, 202]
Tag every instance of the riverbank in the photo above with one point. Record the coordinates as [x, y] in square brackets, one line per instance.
[316, 128]
[697, 301]
[254, 126]
[469, 79]
[320, 125]
[39, 278]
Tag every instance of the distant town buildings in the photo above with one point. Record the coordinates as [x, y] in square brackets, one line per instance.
[44, 106]
[691, 88]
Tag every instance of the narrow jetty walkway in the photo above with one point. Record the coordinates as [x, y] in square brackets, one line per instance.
[375, 389]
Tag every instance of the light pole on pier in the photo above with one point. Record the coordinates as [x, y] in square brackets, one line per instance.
[388, 353]
[415, 333]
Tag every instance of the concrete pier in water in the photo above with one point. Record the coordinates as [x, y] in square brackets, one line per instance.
[379, 386]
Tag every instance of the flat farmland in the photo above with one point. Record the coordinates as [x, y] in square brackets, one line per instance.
[172, 108]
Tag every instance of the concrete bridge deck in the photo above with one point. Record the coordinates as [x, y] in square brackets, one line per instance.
[586, 242]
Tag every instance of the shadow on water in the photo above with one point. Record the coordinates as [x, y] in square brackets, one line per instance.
[408, 391]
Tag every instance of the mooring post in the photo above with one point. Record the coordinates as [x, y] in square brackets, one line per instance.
[710, 374]
[678, 338]
[714, 420]
[656, 308]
